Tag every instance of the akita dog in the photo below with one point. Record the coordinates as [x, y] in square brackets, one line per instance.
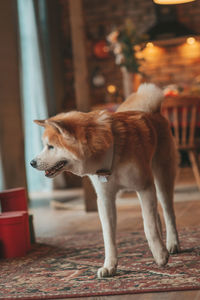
[132, 148]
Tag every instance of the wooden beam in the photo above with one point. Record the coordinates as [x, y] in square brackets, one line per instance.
[79, 55]
[81, 81]
[11, 132]
[55, 36]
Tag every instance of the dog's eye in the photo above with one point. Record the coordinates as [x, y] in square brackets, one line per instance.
[50, 147]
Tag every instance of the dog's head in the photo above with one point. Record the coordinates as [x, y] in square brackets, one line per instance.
[72, 141]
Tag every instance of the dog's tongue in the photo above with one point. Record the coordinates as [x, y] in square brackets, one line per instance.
[49, 172]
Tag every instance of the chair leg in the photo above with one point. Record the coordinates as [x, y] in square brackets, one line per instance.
[195, 166]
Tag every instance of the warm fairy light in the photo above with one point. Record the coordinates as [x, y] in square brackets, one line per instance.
[191, 41]
[137, 48]
[149, 45]
[172, 1]
[111, 89]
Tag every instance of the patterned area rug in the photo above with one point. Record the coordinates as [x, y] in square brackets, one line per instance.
[66, 267]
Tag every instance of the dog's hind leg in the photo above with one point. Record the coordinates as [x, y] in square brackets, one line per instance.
[106, 193]
[148, 202]
[164, 175]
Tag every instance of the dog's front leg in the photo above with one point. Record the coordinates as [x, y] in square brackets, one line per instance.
[107, 212]
[148, 201]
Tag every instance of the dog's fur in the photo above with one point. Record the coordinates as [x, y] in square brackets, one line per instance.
[140, 153]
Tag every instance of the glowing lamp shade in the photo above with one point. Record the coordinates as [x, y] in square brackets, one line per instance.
[166, 2]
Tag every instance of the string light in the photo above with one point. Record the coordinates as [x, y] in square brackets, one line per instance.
[149, 45]
[111, 89]
[137, 48]
[191, 41]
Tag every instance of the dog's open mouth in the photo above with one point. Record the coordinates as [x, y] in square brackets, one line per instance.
[52, 171]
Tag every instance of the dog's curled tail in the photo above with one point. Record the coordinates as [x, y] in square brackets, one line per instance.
[149, 98]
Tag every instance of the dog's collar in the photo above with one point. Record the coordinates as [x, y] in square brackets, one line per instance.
[106, 170]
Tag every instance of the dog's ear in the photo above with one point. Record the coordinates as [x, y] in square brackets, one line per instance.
[62, 126]
[57, 125]
[40, 122]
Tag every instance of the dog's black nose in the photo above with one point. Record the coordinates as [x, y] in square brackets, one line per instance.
[33, 163]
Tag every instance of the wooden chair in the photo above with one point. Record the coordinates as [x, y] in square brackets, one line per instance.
[183, 114]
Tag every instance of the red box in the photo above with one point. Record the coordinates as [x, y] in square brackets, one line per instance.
[13, 200]
[13, 235]
[26, 225]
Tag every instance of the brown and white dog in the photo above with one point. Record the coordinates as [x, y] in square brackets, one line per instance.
[132, 148]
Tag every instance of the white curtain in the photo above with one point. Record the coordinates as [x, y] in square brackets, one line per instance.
[1, 175]
[33, 92]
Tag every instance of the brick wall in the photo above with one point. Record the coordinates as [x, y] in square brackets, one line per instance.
[177, 64]
[167, 65]
[189, 14]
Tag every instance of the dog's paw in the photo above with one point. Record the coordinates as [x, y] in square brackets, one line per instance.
[173, 248]
[106, 272]
[162, 259]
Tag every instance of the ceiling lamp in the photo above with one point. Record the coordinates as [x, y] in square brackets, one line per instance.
[166, 2]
